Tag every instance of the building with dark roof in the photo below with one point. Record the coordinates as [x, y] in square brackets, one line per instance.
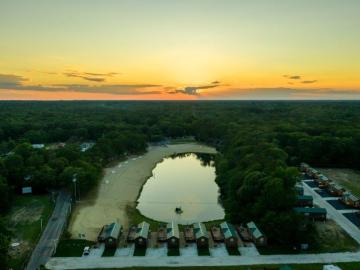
[172, 235]
[313, 213]
[201, 235]
[110, 235]
[304, 200]
[142, 235]
[256, 235]
[230, 235]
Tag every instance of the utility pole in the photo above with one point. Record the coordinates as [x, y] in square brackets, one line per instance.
[74, 181]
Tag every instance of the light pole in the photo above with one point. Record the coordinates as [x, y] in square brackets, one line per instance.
[74, 181]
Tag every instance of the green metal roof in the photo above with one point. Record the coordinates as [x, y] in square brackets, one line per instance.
[112, 230]
[143, 230]
[304, 197]
[172, 230]
[305, 210]
[200, 230]
[254, 230]
[228, 230]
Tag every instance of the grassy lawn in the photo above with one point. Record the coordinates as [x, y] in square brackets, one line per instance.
[173, 252]
[330, 237]
[233, 251]
[135, 217]
[24, 222]
[348, 178]
[139, 252]
[71, 247]
[203, 252]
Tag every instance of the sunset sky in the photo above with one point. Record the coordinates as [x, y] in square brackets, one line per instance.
[185, 49]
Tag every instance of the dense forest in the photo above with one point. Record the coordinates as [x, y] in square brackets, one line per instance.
[259, 143]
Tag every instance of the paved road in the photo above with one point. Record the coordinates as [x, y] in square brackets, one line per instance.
[46, 245]
[132, 261]
[334, 214]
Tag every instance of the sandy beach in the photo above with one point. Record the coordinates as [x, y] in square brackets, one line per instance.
[120, 187]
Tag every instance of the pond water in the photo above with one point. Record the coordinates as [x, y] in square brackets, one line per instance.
[186, 181]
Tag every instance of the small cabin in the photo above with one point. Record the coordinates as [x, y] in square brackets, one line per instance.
[304, 200]
[313, 173]
[323, 181]
[110, 235]
[299, 189]
[315, 213]
[304, 167]
[230, 235]
[189, 233]
[336, 190]
[217, 234]
[257, 236]
[142, 235]
[201, 235]
[172, 235]
[350, 200]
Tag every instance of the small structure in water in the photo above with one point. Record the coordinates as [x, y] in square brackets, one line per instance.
[178, 210]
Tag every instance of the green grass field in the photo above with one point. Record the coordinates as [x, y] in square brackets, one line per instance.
[24, 221]
[71, 247]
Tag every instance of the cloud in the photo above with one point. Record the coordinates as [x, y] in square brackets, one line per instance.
[194, 90]
[309, 81]
[11, 80]
[90, 76]
[293, 77]
[109, 74]
[284, 93]
[14, 82]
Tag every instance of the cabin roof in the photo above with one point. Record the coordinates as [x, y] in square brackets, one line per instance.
[254, 230]
[304, 197]
[314, 210]
[200, 230]
[142, 230]
[172, 230]
[112, 230]
[228, 230]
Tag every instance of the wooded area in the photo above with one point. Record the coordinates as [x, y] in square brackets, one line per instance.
[259, 144]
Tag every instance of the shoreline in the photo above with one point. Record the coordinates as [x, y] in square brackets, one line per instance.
[121, 186]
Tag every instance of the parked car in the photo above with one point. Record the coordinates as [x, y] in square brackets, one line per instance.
[86, 251]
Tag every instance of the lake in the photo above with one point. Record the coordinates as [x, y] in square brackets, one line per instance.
[186, 181]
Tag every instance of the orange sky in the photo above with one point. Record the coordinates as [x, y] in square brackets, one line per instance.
[131, 49]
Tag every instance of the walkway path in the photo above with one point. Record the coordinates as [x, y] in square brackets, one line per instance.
[150, 261]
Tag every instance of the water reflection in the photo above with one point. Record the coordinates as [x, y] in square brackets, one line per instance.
[186, 181]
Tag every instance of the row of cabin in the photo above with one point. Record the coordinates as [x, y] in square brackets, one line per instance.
[318, 177]
[139, 235]
[335, 189]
